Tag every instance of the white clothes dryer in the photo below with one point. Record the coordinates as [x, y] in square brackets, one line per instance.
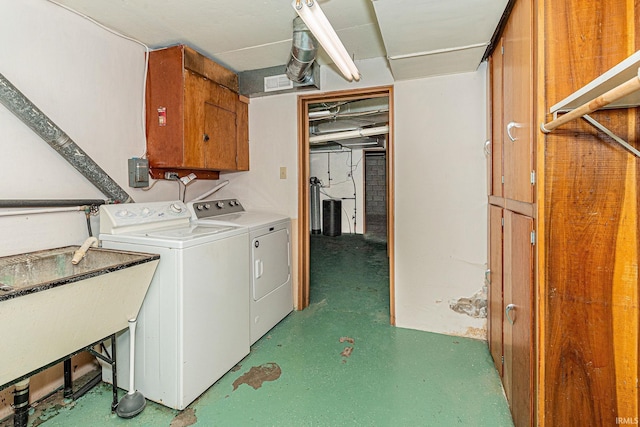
[270, 258]
[193, 326]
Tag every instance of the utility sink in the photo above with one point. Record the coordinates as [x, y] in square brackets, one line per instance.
[50, 308]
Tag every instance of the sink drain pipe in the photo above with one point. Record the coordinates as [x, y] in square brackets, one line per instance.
[32, 116]
[21, 404]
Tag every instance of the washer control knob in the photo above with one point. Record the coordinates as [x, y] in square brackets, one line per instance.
[220, 205]
[207, 206]
[145, 211]
[199, 207]
[175, 208]
[123, 213]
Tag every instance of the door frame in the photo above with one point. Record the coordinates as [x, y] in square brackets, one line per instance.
[303, 187]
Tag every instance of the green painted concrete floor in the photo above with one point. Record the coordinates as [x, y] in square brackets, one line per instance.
[337, 363]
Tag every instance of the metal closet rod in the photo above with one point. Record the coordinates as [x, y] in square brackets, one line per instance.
[603, 100]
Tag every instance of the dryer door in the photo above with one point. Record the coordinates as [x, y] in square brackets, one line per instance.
[270, 262]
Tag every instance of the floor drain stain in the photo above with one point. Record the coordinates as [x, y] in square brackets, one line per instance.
[347, 339]
[348, 349]
[184, 418]
[346, 352]
[258, 375]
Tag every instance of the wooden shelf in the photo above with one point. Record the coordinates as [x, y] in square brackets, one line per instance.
[611, 79]
[617, 88]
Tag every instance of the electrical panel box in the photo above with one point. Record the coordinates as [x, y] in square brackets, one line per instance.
[138, 172]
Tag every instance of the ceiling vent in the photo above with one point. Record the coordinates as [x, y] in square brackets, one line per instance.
[301, 72]
[274, 81]
[277, 83]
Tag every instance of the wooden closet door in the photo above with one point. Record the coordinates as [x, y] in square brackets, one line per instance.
[517, 121]
[497, 112]
[495, 286]
[518, 309]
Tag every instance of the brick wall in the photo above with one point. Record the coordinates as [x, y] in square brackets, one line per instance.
[375, 184]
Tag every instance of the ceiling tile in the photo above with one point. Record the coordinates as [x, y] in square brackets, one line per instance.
[438, 64]
[418, 26]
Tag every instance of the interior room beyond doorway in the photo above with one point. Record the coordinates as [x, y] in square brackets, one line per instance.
[342, 135]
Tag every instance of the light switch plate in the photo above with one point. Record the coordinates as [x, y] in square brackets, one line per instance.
[283, 172]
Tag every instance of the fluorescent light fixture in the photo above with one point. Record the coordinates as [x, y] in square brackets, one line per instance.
[359, 144]
[358, 133]
[319, 25]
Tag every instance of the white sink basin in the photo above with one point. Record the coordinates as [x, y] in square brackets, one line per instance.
[50, 308]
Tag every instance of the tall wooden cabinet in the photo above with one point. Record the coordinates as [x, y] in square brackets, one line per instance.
[511, 215]
[564, 226]
[196, 120]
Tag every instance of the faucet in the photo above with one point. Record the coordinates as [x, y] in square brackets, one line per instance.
[81, 252]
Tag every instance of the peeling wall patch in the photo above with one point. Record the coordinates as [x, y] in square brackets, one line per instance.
[474, 306]
[476, 333]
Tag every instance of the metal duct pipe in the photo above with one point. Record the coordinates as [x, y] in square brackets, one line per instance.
[26, 111]
[357, 133]
[303, 52]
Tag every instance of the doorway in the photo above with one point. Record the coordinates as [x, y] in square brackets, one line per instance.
[348, 106]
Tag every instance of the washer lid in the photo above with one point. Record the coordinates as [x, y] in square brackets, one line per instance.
[250, 219]
[186, 233]
[176, 237]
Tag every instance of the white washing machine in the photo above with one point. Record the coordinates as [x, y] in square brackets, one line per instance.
[270, 258]
[193, 326]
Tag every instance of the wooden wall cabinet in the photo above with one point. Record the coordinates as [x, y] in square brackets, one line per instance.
[196, 120]
[564, 226]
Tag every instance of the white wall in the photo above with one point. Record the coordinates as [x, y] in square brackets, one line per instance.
[342, 176]
[441, 202]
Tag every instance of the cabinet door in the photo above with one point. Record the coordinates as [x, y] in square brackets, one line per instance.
[518, 324]
[517, 90]
[219, 139]
[242, 125]
[195, 96]
[495, 285]
[495, 165]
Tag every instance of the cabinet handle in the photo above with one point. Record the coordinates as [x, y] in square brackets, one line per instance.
[507, 311]
[205, 137]
[510, 126]
[487, 147]
[487, 276]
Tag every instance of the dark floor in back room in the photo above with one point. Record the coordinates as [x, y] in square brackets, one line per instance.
[336, 363]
